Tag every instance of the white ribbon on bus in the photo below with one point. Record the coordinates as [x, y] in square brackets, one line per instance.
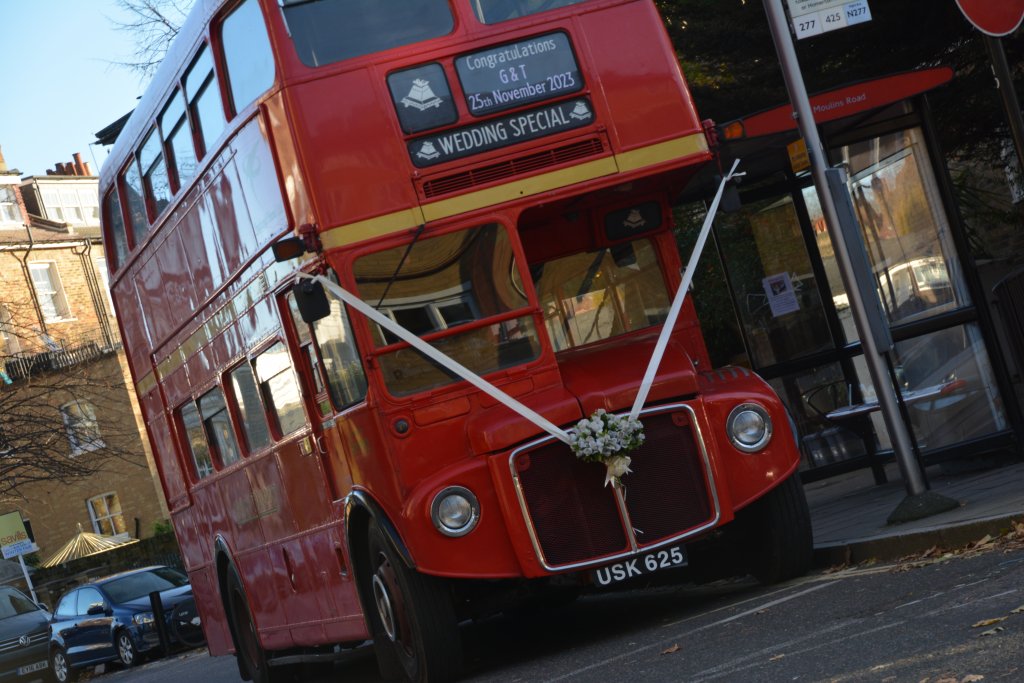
[497, 394]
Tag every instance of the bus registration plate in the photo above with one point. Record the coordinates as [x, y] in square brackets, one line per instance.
[648, 563]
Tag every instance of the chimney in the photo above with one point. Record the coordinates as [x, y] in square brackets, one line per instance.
[3, 164]
[79, 166]
[88, 169]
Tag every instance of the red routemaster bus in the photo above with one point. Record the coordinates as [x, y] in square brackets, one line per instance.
[388, 276]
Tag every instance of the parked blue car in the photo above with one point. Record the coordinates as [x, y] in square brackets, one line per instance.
[111, 620]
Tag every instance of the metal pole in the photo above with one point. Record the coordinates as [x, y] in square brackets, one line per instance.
[1004, 82]
[903, 447]
[28, 579]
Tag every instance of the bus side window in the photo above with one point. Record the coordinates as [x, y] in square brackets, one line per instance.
[114, 222]
[154, 174]
[204, 102]
[131, 185]
[217, 425]
[346, 378]
[280, 389]
[197, 445]
[250, 408]
[181, 151]
[247, 54]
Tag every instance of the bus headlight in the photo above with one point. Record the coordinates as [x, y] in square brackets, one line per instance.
[455, 511]
[749, 427]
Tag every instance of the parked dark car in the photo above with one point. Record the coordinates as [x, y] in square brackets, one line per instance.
[24, 637]
[111, 620]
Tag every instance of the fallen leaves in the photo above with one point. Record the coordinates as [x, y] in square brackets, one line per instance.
[988, 622]
[672, 649]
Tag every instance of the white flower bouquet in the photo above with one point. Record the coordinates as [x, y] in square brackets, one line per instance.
[607, 438]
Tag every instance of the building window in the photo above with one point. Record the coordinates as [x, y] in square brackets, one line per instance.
[49, 292]
[78, 206]
[105, 513]
[8, 335]
[81, 426]
[10, 212]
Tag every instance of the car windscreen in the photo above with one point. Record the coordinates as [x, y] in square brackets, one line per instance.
[138, 585]
[13, 603]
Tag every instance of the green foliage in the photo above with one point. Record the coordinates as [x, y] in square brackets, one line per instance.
[162, 527]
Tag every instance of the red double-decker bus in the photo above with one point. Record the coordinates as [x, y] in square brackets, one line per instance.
[378, 273]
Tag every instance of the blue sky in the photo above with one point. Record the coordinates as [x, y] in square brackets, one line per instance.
[58, 84]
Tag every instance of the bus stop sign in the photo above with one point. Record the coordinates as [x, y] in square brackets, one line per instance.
[999, 18]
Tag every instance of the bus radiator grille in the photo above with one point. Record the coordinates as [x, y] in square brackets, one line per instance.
[511, 167]
[574, 515]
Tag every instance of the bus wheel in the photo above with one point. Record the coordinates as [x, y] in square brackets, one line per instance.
[778, 533]
[252, 658]
[415, 631]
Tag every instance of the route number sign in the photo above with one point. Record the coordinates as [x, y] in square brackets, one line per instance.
[814, 17]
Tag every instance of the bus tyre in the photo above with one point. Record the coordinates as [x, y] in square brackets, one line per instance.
[252, 658]
[412, 618]
[778, 533]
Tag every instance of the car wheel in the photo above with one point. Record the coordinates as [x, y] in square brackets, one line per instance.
[61, 669]
[415, 631]
[127, 655]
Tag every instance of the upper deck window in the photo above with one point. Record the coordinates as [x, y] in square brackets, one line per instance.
[114, 222]
[454, 282]
[131, 185]
[328, 31]
[178, 136]
[247, 54]
[496, 11]
[204, 100]
[154, 173]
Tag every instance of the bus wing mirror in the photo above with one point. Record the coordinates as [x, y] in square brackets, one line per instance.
[311, 299]
[287, 249]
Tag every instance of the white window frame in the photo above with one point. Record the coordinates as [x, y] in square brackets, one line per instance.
[7, 335]
[10, 210]
[109, 517]
[83, 429]
[56, 299]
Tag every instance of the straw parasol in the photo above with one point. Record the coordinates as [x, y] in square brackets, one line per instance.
[86, 544]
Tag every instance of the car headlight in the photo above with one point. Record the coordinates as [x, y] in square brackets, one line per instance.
[455, 511]
[749, 427]
[142, 618]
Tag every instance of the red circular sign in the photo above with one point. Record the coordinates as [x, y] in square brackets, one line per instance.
[994, 17]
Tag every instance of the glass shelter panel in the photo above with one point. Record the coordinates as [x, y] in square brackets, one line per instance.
[775, 290]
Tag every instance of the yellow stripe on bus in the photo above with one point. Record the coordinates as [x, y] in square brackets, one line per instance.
[351, 233]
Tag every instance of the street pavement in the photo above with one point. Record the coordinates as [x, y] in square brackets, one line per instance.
[849, 513]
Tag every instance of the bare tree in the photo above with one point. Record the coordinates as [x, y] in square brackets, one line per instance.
[64, 408]
[153, 24]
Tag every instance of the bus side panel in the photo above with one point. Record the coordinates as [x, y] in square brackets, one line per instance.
[288, 160]
[211, 610]
[258, 182]
[197, 230]
[644, 90]
[352, 179]
[166, 456]
[237, 240]
[130, 318]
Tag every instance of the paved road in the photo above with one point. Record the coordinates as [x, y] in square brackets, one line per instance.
[948, 620]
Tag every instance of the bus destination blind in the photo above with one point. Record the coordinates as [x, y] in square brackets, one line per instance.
[500, 132]
[515, 74]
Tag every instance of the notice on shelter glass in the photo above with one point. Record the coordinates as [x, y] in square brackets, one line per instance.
[781, 297]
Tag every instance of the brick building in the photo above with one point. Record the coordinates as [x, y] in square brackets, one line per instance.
[64, 379]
